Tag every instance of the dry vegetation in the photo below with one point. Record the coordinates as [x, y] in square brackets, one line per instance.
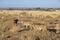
[29, 25]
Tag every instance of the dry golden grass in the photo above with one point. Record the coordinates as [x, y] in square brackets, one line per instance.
[31, 25]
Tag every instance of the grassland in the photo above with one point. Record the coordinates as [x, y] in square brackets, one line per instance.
[29, 25]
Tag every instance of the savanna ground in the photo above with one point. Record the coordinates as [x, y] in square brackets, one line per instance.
[29, 25]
